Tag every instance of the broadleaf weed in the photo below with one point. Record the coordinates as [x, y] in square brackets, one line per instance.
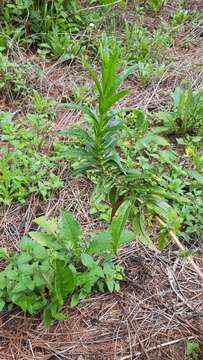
[56, 263]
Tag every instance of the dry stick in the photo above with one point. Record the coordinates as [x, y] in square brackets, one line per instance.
[158, 347]
[99, 6]
[181, 247]
[155, 90]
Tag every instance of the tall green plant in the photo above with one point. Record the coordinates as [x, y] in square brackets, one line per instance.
[99, 140]
[98, 155]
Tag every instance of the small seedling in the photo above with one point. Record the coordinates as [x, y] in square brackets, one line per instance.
[192, 350]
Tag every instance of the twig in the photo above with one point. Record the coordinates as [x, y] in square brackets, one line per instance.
[171, 279]
[181, 247]
[31, 349]
[155, 90]
[158, 347]
[99, 6]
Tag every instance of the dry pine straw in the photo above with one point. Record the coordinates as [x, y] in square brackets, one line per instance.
[161, 300]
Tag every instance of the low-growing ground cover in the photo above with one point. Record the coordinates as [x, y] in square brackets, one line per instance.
[139, 157]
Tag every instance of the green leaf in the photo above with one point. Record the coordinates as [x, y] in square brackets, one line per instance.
[109, 58]
[88, 261]
[47, 317]
[22, 286]
[63, 281]
[26, 244]
[110, 282]
[79, 170]
[39, 252]
[57, 315]
[177, 96]
[120, 79]
[55, 312]
[150, 139]
[5, 118]
[81, 134]
[111, 100]
[84, 109]
[49, 225]
[100, 243]
[31, 303]
[74, 300]
[2, 304]
[44, 239]
[163, 239]
[115, 158]
[10, 273]
[3, 280]
[195, 175]
[126, 236]
[70, 231]
[112, 129]
[20, 300]
[192, 349]
[86, 280]
[162, 193]
[4, 254]
[139, 229]
[39, 280]
[112, 274]
[113, 113]
[118, 223]
[165, 211]
[23, 258]
[81, 153]
[94, 77]
[26, 269]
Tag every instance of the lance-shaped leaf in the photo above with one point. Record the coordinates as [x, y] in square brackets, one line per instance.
[81, 134]
[70, 231]
[118, 224]
[96, 80]
[63, 281]
[119, 79]
[111, 100]
[44, 239]
[164, 210]
[150, 139]
[84, 109]
[49, 225]
[196, 175]
[138, 223]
